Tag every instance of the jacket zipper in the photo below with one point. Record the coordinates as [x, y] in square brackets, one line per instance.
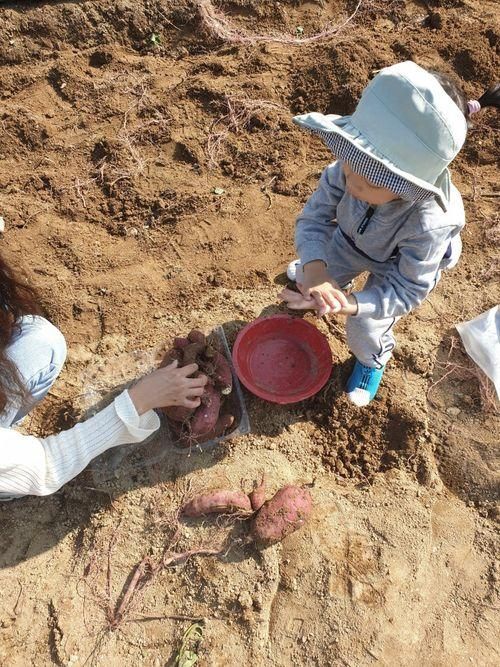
[366, 220]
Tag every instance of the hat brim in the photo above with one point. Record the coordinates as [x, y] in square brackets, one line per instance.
[342, 126]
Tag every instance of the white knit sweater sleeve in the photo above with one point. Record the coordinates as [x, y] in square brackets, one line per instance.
[40, 466]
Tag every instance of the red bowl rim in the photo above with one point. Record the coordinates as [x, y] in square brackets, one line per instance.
[322, 378]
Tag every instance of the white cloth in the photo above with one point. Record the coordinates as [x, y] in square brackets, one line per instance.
[40, 466]
[481, 339]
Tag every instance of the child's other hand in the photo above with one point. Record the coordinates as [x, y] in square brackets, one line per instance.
[168, 386]
[296, 300]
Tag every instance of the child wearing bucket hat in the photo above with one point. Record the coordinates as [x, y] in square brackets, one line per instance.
[387, 206]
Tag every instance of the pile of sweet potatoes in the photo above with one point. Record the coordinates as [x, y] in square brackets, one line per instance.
[215, 416]
[272, 520]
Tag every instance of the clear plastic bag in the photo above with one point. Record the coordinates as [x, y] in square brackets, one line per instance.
[481, 339]
[127, 458]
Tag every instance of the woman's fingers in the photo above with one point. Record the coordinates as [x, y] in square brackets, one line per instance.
[195, 391]
[191, 403]
[200, 381]
[189, 369]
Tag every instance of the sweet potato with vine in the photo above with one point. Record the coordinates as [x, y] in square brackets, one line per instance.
[212, 419]
[171, 355]
[196, 336]
[223, 423]
[206, 415]
[191, 352]
[222, 374]
[178, 413]
[258, 495]
[219, 501]
[286, 512]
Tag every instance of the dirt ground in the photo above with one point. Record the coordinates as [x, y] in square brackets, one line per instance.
[150, 176]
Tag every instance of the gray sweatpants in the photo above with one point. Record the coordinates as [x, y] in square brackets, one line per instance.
[371, 341]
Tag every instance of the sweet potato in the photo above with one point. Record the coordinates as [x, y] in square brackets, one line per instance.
[178, 413]
[205, 417]
[209, 352]
[196, 336]
[222, 373]
[220, 500]
[224, 422]
[180, 342]
[171, 355]
[287, 511]
[258, 495]
[191, 352]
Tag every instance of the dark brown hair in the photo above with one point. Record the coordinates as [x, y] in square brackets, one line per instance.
[17, 298]
[490, 98]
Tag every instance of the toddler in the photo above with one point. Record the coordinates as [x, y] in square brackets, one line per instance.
[387, 206]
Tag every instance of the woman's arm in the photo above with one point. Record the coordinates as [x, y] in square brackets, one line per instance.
[40, 466]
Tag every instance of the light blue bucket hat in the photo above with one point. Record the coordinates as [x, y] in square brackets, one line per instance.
[403, 134]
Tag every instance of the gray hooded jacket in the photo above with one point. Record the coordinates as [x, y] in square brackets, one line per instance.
[407, 243]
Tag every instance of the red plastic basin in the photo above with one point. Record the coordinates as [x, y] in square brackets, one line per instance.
[282, 359]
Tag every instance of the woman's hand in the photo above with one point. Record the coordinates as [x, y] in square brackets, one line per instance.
[168, 386]
[324, 290]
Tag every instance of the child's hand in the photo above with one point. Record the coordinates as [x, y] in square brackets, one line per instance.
[323, 289]
[296, 300]
[328, 297]
[168, 386]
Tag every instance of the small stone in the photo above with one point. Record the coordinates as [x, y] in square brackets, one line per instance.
[453, 411]
[258, 602]
[133, 231]
[356, 589]
[2, 225]
[245, 600]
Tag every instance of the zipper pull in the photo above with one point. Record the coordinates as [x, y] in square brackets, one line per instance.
[366, 220]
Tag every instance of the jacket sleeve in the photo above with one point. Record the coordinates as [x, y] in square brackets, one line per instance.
[410, 279]
[40, 466]
[314, 229]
